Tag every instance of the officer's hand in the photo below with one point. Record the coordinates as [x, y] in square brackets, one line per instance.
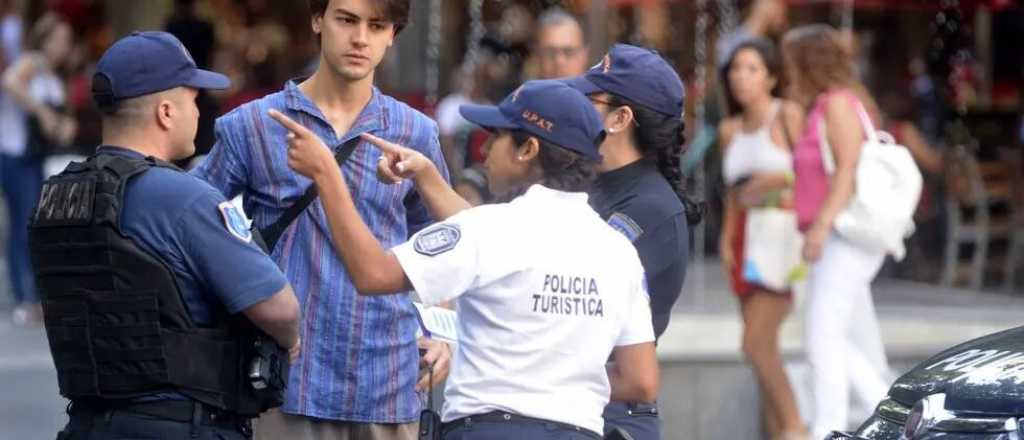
[438, 354]
[307, 153]
[397, 162]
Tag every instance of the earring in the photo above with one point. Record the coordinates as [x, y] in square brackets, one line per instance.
[611, 130]
[520, 158]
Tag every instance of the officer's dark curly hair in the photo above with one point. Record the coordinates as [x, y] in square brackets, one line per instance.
[660, 138]
[564, 170]
[395, 10]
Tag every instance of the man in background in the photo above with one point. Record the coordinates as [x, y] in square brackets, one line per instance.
[561, 48]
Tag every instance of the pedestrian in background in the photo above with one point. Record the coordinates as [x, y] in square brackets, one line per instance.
[561, 48]
[35, 126]
[843, 340]
[757, 139]
[11, 29]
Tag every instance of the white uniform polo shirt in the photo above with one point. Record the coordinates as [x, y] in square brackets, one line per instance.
[544, 290]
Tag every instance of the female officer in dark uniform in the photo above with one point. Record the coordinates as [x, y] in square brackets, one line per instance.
[639, 190]
[545, 289]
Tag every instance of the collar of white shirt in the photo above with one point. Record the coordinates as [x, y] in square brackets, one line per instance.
[539, 191]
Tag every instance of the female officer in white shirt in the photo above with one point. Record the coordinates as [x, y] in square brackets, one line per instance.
[544, 288]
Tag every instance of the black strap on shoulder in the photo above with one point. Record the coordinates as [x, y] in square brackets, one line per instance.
[163, 164]
[122, 167]
[785, 127]
[273, 232]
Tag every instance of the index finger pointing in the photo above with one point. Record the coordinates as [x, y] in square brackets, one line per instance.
[287, 122]
[382, 144]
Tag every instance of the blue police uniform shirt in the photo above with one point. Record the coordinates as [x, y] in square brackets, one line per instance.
[201, 237]
[637, 201]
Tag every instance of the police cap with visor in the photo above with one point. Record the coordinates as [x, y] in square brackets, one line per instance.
[638, 75]
[549, 110]
[149, 62]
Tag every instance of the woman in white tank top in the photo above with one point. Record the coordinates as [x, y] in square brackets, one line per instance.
[757, 168]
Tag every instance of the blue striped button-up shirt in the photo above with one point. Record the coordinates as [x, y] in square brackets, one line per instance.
[359, 357]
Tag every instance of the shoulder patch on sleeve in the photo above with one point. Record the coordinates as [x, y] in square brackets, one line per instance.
[437, 240]
[626, 225]
[235, 222]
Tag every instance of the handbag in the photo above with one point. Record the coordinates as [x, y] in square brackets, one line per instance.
[880, 214]
[771, 250]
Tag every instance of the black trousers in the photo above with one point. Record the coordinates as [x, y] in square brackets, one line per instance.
[640, 420]
[144, 422]
[499, 425]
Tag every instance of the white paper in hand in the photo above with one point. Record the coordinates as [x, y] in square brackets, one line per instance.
[437, 323]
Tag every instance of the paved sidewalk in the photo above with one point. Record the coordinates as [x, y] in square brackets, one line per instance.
[30, 407]
[917, 320]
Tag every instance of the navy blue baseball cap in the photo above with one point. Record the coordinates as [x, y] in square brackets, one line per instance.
[549, 110]
[149, 62]
[637, 74]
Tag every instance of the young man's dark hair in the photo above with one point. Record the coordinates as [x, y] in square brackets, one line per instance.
[396, 11]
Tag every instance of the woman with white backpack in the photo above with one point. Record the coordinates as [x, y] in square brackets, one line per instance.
[844, 241]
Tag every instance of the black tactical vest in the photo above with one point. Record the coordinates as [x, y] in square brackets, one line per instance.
[115, 319]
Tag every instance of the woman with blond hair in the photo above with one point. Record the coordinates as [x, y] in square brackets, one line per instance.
[845, 356]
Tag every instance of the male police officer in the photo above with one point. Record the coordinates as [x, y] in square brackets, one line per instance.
[141, 268]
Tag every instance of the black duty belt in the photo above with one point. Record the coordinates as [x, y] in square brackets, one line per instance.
[504, 417]
[184, 411]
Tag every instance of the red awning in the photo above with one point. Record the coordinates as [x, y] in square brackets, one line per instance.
[923, 5]
[929, 5]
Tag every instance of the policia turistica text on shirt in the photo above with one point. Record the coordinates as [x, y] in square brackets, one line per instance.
[639, 190]
[157, 303]
[544, 288]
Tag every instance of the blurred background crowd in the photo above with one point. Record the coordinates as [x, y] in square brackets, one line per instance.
[946, 73]
[947, 76]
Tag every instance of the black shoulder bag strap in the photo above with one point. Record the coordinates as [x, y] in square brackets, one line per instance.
[785, 127]
[267, 237]
[431, 427]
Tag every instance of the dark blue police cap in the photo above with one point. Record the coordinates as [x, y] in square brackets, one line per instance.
[637, 74]
[149, 62]
[549, 110]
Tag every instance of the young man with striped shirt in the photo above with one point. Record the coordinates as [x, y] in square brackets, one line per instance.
[356, 376]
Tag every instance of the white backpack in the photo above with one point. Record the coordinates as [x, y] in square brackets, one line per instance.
[888, 183]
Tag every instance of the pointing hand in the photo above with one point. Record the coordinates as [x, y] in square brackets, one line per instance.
[307, 153]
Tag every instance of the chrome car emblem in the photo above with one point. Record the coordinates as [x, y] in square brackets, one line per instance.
[925, 414]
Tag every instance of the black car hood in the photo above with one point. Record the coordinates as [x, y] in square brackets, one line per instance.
[982, 376]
